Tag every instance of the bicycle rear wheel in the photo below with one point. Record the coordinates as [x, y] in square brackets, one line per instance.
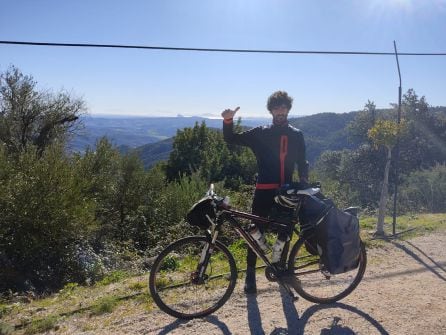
[316, 284]
[175, 282]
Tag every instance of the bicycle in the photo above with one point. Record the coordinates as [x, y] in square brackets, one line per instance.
[195, 276]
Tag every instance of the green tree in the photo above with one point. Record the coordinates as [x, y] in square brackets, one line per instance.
[364, 120]
[203, 150]
[32, 117]
[385, 133]
[423, 144]
[130, 201]
[119, 187]
[187, 151]
[354, 175]
[45, 218]
[98, 170]
[425, 190]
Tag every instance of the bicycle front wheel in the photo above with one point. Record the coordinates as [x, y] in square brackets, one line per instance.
[316, 284]
[178, 287]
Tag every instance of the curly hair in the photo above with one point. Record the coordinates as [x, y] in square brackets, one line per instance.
[279, 98]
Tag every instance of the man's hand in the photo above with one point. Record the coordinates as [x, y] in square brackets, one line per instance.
[228, 114]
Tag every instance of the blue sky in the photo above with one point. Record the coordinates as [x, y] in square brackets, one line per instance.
[154, 83]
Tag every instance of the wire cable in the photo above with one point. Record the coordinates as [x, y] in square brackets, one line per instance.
[120, 46]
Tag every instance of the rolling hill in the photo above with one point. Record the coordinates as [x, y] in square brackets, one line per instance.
[325, 131]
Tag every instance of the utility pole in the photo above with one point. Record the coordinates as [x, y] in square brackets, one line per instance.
[397, 146]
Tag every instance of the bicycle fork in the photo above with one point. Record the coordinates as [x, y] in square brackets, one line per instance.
[199, 276]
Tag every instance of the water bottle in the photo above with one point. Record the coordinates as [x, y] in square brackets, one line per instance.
[277, 251]
[260, 239]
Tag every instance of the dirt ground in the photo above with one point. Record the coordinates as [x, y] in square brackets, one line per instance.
[403, 292]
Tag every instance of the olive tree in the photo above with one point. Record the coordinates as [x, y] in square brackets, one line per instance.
[29, 116]
[385, 133]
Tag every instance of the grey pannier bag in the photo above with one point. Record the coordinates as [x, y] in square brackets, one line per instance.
[338, 241]
[328, 231]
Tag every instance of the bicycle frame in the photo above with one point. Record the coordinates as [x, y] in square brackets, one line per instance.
[232, 215]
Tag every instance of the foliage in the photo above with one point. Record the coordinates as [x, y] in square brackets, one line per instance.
[32, 117]
[385, 133]
[41, 325]
[422, 146]
[113, 277]
[118, 186]
[44, 216]
[6, 329]
[425, 190]
[202, 150]
[105, 305]
[364, 120]
[355, 175]
[188, 151]
[351, 177]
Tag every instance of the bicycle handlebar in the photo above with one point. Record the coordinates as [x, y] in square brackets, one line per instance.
[223, 202]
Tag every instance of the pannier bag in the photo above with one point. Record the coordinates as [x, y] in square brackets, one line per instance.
[338, 241]
[313, 209]
[197, 214]
[331, 233]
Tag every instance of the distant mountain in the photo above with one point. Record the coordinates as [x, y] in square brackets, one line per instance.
[322, 132]
[155, 152]
[132, 132]
[152, 137]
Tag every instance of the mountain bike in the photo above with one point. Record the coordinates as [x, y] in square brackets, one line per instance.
[196, 275]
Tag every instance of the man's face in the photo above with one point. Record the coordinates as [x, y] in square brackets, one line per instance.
[280, 114]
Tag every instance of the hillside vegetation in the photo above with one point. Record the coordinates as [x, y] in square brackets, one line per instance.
[77, 217]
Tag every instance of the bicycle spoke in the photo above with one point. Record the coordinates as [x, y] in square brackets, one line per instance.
[177, 287]
[318, 285]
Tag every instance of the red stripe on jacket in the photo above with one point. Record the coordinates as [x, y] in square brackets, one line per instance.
[283, 153]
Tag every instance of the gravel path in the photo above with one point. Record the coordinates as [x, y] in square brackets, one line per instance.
[403, 292]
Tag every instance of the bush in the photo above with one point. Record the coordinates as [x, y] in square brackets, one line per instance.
[424, 191]
[44, 216]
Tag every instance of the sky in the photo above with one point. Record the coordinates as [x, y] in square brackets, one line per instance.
[168, 83]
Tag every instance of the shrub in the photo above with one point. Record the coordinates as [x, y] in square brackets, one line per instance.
[43, 217]
[424, 190]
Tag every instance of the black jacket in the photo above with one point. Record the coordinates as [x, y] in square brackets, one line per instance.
[277, 149]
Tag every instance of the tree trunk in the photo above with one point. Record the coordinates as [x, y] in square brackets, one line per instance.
[384, 192]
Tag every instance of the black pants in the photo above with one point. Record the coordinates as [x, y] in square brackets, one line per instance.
[261, 205]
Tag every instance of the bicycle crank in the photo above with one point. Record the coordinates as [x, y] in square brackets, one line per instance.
[271, 274]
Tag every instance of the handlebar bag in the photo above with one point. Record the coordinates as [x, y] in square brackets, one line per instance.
[197, 214]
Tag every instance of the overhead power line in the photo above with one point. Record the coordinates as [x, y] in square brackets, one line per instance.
[314, 52]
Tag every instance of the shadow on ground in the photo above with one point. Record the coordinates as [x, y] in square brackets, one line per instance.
[417, 254]
[295, 323]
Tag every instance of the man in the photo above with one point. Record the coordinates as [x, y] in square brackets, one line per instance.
[278, 148]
